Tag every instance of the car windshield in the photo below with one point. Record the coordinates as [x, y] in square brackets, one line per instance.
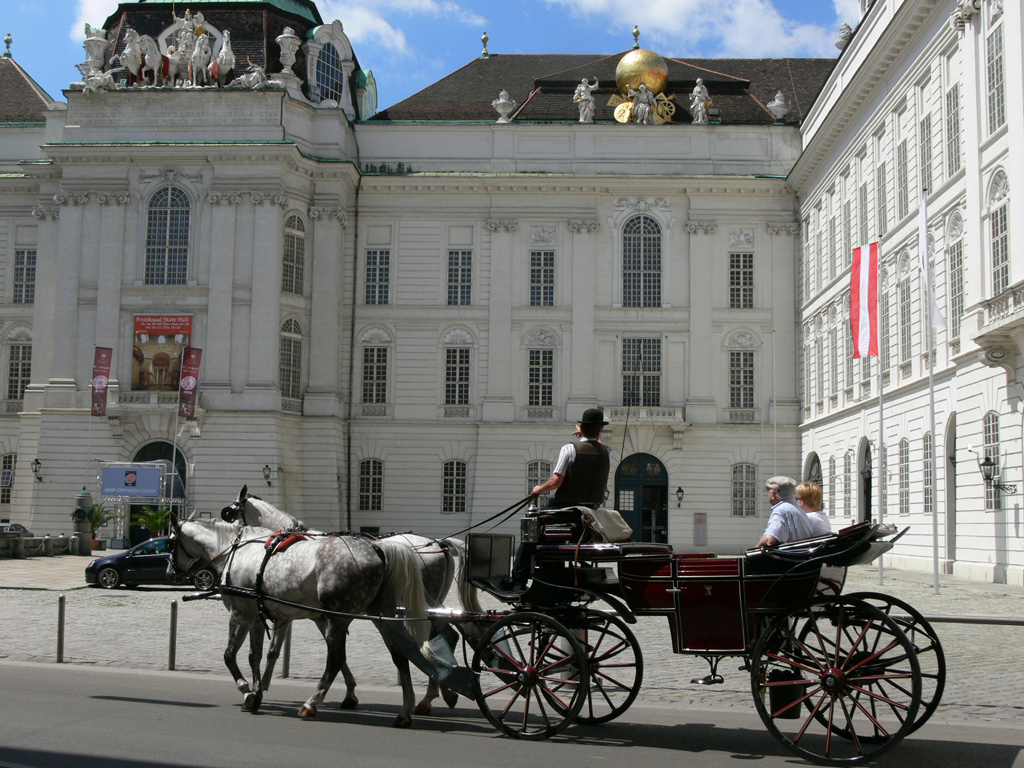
[157, 547]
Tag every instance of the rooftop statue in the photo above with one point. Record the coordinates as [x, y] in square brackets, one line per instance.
[584, 97]
[254, 79]
[504, 106]
[219, 69]
[289, 44]
[779, 106]
[197, 72]
[644, 103]
[700, 100]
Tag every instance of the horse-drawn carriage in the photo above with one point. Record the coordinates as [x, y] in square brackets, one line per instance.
[835, 678]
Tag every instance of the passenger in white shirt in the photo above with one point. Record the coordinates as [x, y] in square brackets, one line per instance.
[808, 498]
[788, 522]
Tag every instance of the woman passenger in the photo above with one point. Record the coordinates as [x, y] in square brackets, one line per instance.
[808, 498]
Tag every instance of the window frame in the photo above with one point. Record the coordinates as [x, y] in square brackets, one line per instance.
[377, 276]
[744, 489]
[176, 237]
[642, 262]
[290, 371]
[641, 387]
[371, 485]
[454, 475]
[293, 257]
[741, 280]
[542, 277]
[23, 280]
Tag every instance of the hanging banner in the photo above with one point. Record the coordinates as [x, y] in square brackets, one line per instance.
[156, 354]
[189, 382]
[100, 380]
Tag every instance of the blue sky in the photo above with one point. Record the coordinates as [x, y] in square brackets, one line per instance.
[410, 44]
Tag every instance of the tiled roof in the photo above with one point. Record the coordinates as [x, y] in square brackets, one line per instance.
[543, 84]
[22, 99]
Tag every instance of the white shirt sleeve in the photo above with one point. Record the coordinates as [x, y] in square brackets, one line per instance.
[566, 457]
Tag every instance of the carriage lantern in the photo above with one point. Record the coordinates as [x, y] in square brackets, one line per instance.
[266, 473]
[988, 471]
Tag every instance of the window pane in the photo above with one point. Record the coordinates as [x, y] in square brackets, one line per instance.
[371, 485]
[167, 223]
[375, 375]
[24, 277]
[541, 377]
[741, 280]
[378, 275]
[460, 278]
[641, 372]
[19, 370]
[542, 279]
[641, 263]
[456, 377]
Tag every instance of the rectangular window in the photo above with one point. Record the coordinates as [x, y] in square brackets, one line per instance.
[956, 287]
[953, 154]
[741, 281]
[834, 257]
[641, 372]
[926, 152]
[542, 376]
[833, 353]
[882, 213]
[885, 330]
[453, 499]
[995, 80]
[902, 182]
[19, 371]
[375, 374]
[744, 490]
[847, 484]
[291, 367]
[1000, 252]
[905, 327]
[378, 276]
[460, 278]
[371, 485]
[928, 476]
[538, 472]
[863, 214]
[741, 379]
[7, 477]
[808, 378]
[542, 279]
[456, 376]
[848, 363]
[990, 430]
[24, 277]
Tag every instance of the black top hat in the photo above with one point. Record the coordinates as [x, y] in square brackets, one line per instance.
[593, 416]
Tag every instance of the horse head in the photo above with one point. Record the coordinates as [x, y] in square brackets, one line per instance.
[236, 509]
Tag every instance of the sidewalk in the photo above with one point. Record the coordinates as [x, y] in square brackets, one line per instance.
[60, 573]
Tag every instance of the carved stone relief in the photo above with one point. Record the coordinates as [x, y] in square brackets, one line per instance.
[584, 225]
[508, 225]
[542, 338]
[458, 337]
[378, 336]
[774, 228]
[542, 236]
[998, 188]
[741, 238]
[641, 205]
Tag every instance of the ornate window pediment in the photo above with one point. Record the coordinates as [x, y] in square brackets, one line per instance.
[330, 63]
[376, 337]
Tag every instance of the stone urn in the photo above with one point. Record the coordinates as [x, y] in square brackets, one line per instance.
[504, 106]
[289, 43]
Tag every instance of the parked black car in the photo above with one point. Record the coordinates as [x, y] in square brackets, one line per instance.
[145, 563]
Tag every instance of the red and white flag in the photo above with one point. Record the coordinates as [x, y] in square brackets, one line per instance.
[864, 300]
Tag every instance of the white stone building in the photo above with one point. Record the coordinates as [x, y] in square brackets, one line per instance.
[922, 98]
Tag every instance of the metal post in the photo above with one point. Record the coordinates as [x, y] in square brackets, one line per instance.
[287, 655]
[174, 635]
[60, 629]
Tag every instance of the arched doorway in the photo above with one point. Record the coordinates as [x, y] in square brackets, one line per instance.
[161, 450]
[641, 496]
[951, 489]
[864, 506]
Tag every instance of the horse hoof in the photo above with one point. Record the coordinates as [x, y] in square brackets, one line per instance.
[422, 709]
[257, 702]
[402, 722]
[350, 702]
[451, 698]
[307, 712]
[249, 701]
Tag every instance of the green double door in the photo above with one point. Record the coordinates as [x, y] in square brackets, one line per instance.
[641, 496]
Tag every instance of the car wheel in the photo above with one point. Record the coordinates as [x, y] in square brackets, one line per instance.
[108, 577]
[204, 580]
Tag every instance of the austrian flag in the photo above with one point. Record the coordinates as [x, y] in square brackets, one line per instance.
[864, 301]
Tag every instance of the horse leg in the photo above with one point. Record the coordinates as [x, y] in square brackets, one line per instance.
[334, 632]
[404, 719]
[255, 698]
[236, 634]
[276, 642]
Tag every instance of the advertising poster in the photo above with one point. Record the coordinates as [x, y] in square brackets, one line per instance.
[131, 482]
[189, 382]
[156, 354]
[100, 380]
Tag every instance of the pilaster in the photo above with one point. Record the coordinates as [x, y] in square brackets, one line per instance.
[328, 240]
[498, 404]
[583, 351]
[217, 357]
[264, 316]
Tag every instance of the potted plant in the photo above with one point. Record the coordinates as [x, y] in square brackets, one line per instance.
[98, 516]
[155, 519]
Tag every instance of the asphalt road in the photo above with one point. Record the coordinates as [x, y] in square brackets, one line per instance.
[88, 717]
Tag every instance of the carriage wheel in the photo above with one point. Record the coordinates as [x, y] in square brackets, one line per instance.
[926, 644]
[615, 662]
[836, 680]
[529, 669]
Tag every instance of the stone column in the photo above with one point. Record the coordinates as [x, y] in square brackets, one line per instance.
[111, 265]
[264, 317]
[217, 355]
[65, 336]
[498, 404]
[583, 349]
[44, 310]
[328, 241]
[701, 406]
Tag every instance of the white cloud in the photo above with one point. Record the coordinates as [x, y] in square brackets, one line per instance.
[93, 12]
[377, 25]
[848, 11]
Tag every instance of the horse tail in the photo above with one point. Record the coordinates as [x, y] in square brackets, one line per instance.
[468, 594]
[403, 585]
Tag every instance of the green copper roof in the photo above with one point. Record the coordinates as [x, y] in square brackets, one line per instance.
[304, 9]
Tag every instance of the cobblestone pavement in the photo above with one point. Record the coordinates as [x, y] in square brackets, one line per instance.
[130, 628]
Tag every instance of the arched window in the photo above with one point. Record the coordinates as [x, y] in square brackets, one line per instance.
[453, 494]
[999, 231]
[993, 496]
[929, 478]
[7, 476]
[536, 473]
[167, 224]
[291, 360]
[744, 490]
[329, 73]
[294, 261]
[904, 470]
[641, 262]
[371, 485]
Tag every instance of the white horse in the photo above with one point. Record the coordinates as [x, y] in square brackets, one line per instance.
[320, 579]
[219, 69]
[152, 60]
[197, 74]
[131, 56]
[439, 563]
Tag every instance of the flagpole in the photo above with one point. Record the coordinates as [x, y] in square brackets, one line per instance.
[881, 444]
[174, 437]
[930, 309]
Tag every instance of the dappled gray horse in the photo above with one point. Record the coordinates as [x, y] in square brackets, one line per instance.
[313, 579]
[439, 563]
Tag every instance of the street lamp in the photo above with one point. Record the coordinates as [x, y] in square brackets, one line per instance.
[988, 472]
[266, 473]
[679, 498]
[37, 469]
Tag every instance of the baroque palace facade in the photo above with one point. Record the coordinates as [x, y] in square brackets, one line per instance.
[402, 312]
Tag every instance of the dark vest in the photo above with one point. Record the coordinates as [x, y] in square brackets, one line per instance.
[584, 485]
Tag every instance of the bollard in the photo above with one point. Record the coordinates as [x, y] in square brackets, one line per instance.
[174, 632]
[60, 629]
[285, 663]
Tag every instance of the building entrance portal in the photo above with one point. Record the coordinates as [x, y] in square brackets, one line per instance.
[641, 496]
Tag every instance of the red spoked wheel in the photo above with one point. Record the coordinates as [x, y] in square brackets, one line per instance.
[615, 663]
[926, 645]
[836, 681]
[530, 676]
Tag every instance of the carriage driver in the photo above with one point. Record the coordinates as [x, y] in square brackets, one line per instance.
[578, 480]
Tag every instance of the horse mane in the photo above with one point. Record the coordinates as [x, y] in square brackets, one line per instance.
[276, 518]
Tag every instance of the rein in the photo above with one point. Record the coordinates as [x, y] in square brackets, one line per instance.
[511, 510]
